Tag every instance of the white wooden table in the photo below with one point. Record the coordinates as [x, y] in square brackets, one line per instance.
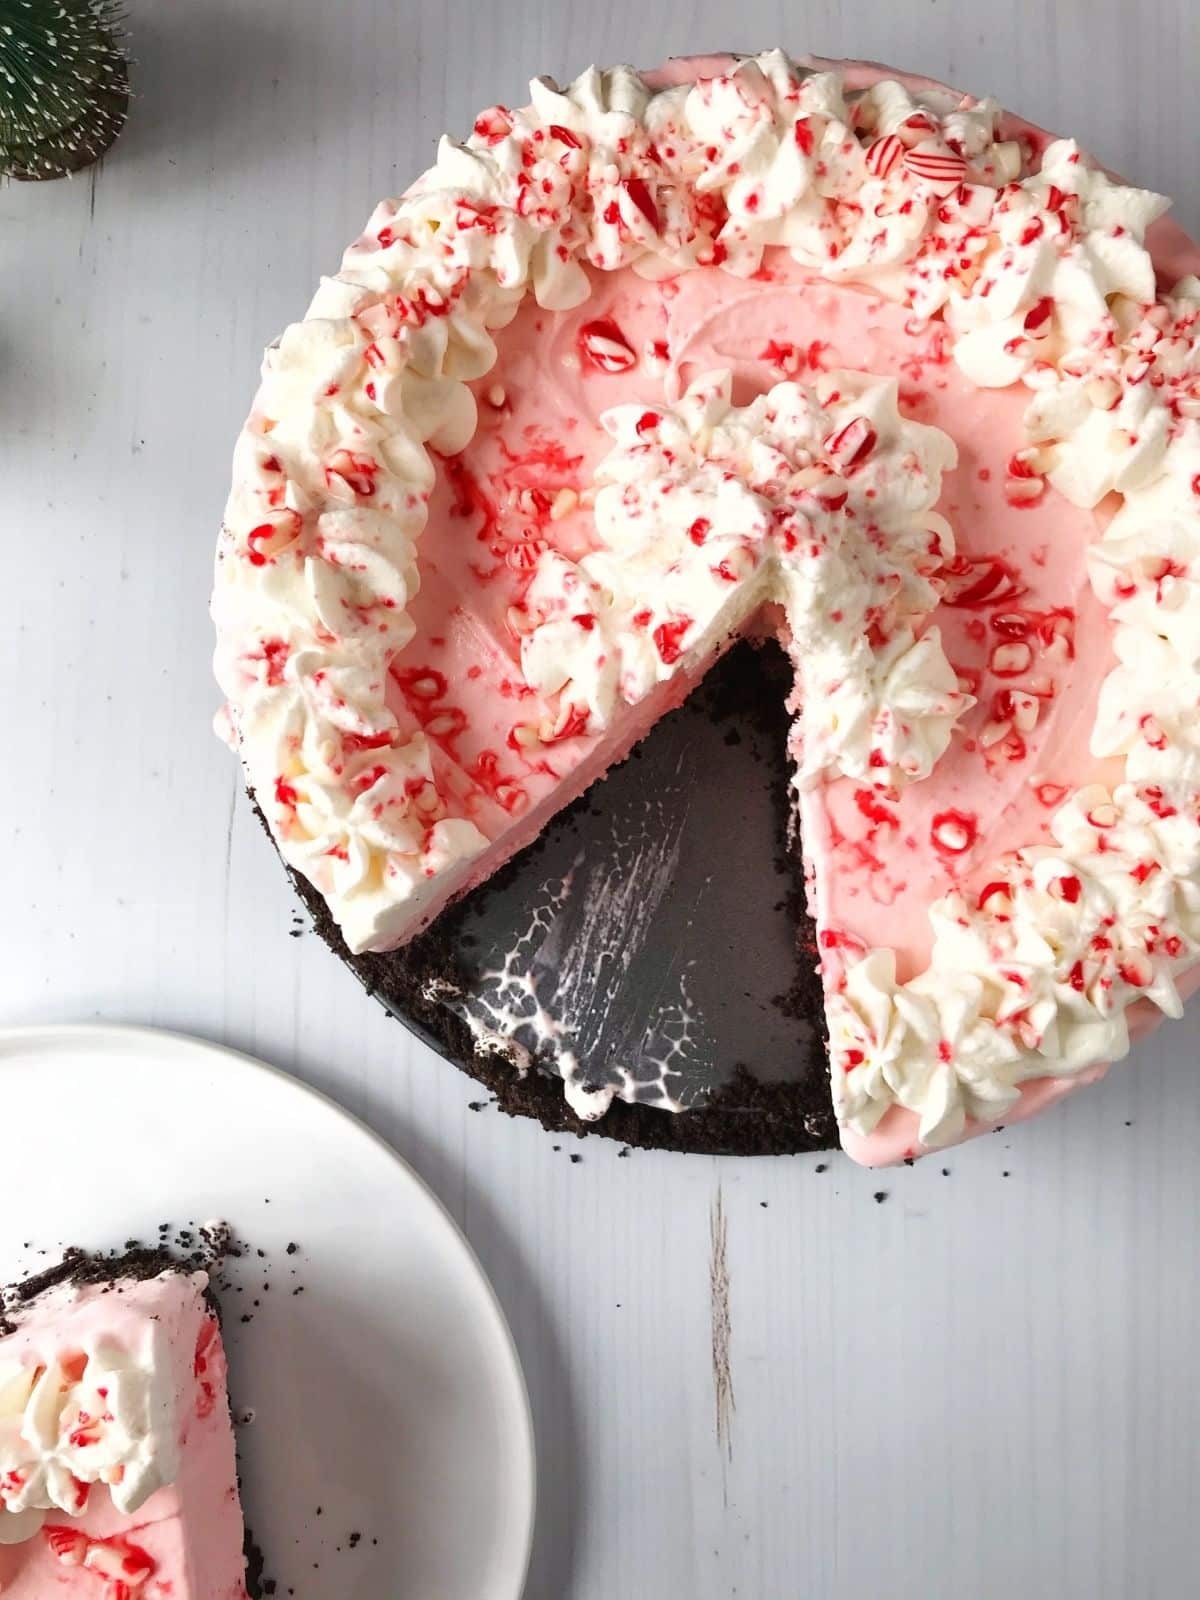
[983, 1385]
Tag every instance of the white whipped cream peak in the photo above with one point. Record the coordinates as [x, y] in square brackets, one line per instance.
[1041, 275]
[817, 499]
[1065, 254]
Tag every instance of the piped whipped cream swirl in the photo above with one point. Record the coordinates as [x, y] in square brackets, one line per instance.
[1041, 275]
[817, 499]
[105, 1415]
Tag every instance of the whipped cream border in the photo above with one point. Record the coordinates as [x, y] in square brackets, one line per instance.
[1040, 277]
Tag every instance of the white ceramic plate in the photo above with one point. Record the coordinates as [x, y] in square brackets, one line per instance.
[387, 1393]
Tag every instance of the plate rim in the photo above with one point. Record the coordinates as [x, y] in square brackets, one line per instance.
[143, 1036]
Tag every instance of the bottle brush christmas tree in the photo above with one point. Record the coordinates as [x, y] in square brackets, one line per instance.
[64, 85]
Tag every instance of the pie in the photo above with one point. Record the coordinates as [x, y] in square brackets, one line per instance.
[757, 348]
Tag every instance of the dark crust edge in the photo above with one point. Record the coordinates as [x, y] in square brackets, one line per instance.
[86, 1268]
[747, 1116]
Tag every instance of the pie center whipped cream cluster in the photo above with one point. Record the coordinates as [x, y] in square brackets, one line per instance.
[1040, 277]
[820, 500]
[103, 1415]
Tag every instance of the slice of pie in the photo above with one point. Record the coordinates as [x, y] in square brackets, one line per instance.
[757, 348]
[117, 1475]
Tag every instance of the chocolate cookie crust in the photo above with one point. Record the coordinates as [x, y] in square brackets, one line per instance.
[747, 1110]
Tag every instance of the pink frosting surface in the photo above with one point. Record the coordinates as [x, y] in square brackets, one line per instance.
[1018, 619]
[1021, 616]
[876, 864]
[190, 1531]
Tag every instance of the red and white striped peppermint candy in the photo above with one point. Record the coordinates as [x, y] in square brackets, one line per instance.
[936, 164]
[971, 204]
[884, 155]
[1038, 318]
[851, 444]
[493, 124]
[524, 555]
[126, 1564]
[603, 344]
[68, 1545]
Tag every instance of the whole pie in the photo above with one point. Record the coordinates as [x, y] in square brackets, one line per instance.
[769, 350]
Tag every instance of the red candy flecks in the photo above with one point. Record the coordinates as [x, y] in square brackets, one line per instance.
[603, 346]
[206, 1389]
[953, 832]
[852, 444]
[979, 581]
[358, 472]
[668, 639]
[883, 155]
[639, 192]
[125, 1566]
[421, 683]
